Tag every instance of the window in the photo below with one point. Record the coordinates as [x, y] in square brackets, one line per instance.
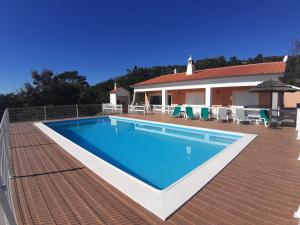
[244, 98]
[157, 100]
[194, 98]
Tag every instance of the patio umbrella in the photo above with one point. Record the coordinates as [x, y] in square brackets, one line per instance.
[273, 86]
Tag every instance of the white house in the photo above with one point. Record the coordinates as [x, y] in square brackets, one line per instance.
[119, 96]
[217, 86]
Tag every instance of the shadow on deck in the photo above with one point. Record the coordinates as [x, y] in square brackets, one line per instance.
[260, 186]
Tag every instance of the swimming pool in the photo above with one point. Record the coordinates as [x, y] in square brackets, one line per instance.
[158, 155]
[154, 157]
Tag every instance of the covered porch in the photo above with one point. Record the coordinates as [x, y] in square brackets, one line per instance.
[213, 96]
[225, 96]
[164, 100]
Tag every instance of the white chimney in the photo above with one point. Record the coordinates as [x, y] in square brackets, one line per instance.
[190, 69]
[285, 58]
[115, 88]
[175, 71]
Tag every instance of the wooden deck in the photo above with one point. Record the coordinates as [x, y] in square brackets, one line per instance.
[260, 186]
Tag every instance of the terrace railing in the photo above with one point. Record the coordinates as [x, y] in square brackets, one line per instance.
[40, 113]
[287, 116]
[162, 109]
[149, 109]
[7, 215]
[112, 109]
[137, 109]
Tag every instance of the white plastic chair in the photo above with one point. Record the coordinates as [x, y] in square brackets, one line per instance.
[241, 116]
[222, 114]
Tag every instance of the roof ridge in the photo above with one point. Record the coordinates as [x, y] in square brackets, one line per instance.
[240, 65]
[214, 68]
[225, 71]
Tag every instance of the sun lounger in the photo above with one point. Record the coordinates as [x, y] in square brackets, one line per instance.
[189, 113]
[176, 113]
[263, 117]
[204, 113]
[241, 116]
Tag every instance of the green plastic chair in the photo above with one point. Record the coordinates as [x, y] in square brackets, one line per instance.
[189, 113]
[176, 112]
[205, 113]
[264, 116]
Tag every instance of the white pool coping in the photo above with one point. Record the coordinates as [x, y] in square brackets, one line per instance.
[165, 202]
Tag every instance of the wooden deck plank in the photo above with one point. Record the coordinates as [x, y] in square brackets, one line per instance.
[260, 186]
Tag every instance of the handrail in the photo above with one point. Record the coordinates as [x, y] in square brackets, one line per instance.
[6, 203]
[108, 108]
[137, 108]
[50, 112]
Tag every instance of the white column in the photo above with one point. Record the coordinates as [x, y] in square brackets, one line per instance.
[164, 100]
[133, 99]
[274, 100]
[275, 103]
[297, 213]
[208, 96]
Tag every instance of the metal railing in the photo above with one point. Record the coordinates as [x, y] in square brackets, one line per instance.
[7, 215]
[288, 117]
[40, 113]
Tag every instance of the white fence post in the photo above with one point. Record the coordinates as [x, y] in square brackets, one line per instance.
[298, 121]
[109, 108]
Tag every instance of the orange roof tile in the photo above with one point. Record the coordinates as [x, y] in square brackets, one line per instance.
[229, 71]
[114, 90]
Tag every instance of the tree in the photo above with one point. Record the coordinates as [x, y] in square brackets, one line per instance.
[292, 75]
[259, 58]
[295, 47]
[71, 87]
[50, 89]
[234, 61]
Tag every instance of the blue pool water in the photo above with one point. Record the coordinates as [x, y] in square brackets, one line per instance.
[156, 154]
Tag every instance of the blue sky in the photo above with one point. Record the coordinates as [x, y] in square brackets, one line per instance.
[102, 39]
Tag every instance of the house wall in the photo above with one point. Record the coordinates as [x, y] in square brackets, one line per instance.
[291, 99]
[122, 92]
[220, 96]
[124, 100]
[112, 98]
[264, 99]
[223, 96]
[178, 96]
